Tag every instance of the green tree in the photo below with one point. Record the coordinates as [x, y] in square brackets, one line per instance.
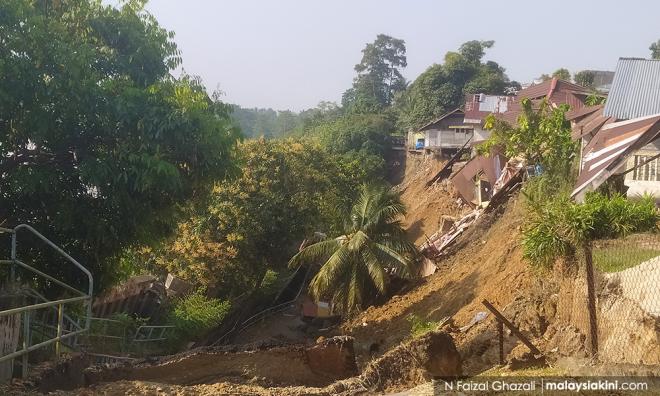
[585, 78]
[286, 191]
[379, 75]
[541, 136]
[358, 263]
[442, 87]
[655, 50]
[562, 74]
[98, 143]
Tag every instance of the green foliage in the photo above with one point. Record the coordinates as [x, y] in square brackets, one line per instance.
[98, 144]
[379, 76]
[594, 99]
[358, 263]
[618, 258]
[442, 87]
[419, 327]
[286, 191]
[562, 74]
[585, 78]
[255, 123]
[542, 136]
[557, 227]
[655, 50]
[195, 314]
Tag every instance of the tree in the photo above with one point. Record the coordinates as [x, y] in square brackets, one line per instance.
[655, 50]
[358, 263]
[379, 75]
[541, 136]
[98, 143]
[286, 190]
[442, 87]
[562, 74]
[585, 78]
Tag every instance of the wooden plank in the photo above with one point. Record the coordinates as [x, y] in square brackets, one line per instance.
[511, 327]
[449, 163]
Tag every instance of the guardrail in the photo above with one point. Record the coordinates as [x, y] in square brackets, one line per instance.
[26, 311]
[241, 326]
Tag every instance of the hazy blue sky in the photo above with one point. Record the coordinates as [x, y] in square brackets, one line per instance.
[291, 54]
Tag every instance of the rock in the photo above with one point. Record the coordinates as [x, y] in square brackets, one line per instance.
[333, 357]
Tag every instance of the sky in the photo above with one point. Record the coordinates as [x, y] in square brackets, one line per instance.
[292, 54]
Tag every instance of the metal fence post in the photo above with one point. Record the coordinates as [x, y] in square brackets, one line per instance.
[58, 343]
[26, 342]
[591, 300]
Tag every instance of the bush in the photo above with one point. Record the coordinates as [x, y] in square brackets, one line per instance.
[558, 226]
[196, 314]
[419, 327]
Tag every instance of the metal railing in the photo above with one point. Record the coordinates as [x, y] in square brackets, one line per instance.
[27, 310]
[241, 326]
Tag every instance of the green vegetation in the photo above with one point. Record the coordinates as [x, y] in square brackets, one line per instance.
[655, 50]
[442, 87]
[618, 258]
[419, 327]
[558, 227]
[584, 78]
[358, 263]
[196, 314]
[379, 76]
[542, 136]
[98, 143]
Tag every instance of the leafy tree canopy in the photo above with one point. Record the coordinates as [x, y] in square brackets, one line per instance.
[442, 87]
[379, 76]
[655, 50]
[585, 78]
[562, 74]
[285, 192]
[542, 136]
[98, 143]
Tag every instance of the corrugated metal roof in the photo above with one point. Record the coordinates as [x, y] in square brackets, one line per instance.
[456, 111]
[609, 149]
[635, 90]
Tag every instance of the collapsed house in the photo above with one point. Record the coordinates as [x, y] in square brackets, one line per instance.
[475, 181]
[621, 137]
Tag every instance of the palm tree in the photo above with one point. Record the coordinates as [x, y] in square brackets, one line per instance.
[358, 263]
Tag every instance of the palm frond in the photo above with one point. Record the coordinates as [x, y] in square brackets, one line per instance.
[315, 252]
[330, 272]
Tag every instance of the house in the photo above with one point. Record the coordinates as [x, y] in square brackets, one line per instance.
[444, 135]
[478, 107]
[622, 137]
[476, 179]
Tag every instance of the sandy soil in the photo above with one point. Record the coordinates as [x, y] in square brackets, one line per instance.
[427, 205]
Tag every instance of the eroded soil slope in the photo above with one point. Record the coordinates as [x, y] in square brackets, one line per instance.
[487, 264]
[427, 205]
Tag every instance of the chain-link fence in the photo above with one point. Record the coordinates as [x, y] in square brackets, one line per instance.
[623, 299]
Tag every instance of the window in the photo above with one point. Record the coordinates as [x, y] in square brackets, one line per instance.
[646, 171]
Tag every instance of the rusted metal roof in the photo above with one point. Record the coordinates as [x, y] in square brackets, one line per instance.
[430, 124]
[635, 90]
[555, 91]
[610, 148]
[478, 106]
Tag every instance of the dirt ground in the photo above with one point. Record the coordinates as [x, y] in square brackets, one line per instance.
[490, 257]
[427, 205]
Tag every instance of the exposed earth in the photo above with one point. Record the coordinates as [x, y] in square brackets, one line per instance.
[484, 263]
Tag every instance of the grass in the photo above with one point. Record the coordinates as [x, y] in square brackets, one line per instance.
[618, 258]
[419, 327]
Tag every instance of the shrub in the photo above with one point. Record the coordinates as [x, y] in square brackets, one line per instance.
[558, 226]
[196, 314]
[419, 327]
